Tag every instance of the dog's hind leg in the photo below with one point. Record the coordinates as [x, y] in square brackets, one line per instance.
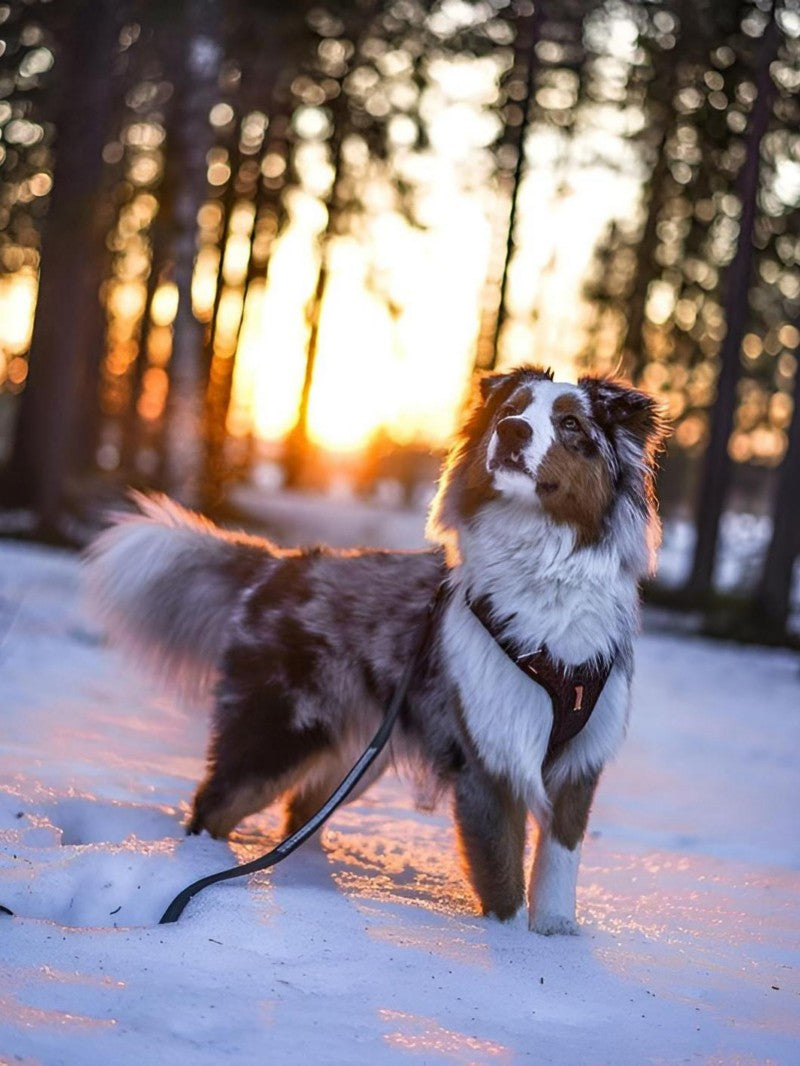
[220, 803]
[256, 754]
[551, 905]
[491, 834]
[322, 780]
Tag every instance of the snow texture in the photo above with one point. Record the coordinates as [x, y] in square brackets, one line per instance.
[368, 948]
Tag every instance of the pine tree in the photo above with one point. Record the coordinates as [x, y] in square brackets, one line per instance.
[716, 474]
[71, 268]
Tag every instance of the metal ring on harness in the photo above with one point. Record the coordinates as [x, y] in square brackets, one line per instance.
[365, 760]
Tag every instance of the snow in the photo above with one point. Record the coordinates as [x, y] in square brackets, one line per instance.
[368, 949]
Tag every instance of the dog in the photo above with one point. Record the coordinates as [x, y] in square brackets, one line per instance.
[543, 525]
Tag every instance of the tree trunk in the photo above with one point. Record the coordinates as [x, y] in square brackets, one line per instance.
[182, 462]
[161, 241]
[771, 607]
[632, 349]
[296, 448]
[131, 420]
[71, 269]
[221, 386]
[716, 475]
[529, 36]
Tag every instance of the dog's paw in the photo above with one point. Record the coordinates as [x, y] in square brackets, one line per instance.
[510, 916]
[553, 925]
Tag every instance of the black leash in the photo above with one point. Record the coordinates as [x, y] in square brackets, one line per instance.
[365, 760]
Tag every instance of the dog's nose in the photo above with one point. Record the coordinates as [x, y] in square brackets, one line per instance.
[514, 432]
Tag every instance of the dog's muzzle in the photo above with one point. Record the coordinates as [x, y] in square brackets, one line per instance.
[512, 435]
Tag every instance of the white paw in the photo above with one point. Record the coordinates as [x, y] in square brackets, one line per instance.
[553, 925]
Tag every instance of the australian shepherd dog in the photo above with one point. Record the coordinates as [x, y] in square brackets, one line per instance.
[544, 517]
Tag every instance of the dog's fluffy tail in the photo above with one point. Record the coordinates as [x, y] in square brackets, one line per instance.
[165, 582]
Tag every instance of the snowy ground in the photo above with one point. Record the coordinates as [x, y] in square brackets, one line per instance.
[370, 950]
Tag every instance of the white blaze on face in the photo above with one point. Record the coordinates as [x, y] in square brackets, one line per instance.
[539, 416]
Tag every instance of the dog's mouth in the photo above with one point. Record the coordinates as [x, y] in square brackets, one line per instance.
[512, 461]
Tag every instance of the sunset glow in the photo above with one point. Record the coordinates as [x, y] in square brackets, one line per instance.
[402, 307]
[17, 305]
[399, 321]
[411, 283]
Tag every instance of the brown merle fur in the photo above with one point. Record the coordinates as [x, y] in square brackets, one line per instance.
[574, 479]
[571, 805]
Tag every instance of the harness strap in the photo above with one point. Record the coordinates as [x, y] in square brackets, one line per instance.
[349, 782]
[573, 690]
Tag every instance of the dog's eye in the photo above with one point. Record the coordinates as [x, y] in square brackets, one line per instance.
[506, 411]
[570, 422]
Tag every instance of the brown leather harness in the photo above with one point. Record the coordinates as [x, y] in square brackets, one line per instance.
[573, 690]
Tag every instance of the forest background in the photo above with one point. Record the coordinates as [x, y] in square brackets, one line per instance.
[255, 242]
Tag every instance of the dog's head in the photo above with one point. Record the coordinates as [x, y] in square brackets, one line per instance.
[577, 455]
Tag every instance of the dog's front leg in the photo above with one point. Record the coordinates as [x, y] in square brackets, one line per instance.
[491, 834]
[551, 899]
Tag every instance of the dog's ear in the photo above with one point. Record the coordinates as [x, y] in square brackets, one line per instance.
[492, 385]
[615, 403]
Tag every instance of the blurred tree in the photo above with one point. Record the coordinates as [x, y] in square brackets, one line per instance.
[29, 33]
[676, 39]
[195, 90]
[548, 90]
[259, 133]
[769, 615]
[71, 267]
[716, 476]
[693, 294]
[151, 104]
[519, 88]
[337, 199]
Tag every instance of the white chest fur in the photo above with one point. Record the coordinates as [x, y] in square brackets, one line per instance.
[577, 604]
[510, 717]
